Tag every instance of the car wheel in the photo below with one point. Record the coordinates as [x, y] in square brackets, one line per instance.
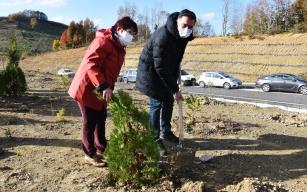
[303, 90]
[226, 86]
[266, 87]
[202, 84]
[125, 80]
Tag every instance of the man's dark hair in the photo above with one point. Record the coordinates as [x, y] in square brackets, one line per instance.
[187, 13]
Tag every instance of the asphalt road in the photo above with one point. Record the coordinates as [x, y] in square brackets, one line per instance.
[253, 95]
[248, 93]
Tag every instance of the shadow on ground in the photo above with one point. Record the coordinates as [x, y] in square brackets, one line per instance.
[46, 103]
[245, 158]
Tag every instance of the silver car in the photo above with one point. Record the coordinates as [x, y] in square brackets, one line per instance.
[66, 72]
[282, 82]
[218, 79]
[128, 76]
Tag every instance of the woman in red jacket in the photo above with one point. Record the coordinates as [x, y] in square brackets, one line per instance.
[98, 72]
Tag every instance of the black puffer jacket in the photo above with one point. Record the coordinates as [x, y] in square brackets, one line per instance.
[159, 63]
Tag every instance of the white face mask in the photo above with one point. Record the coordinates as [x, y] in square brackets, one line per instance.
[125, 38]
[184, 32]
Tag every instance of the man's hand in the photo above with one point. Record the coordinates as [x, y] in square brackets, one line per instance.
[107, 94]
[178, 96]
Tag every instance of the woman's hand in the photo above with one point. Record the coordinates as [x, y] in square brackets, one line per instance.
[107, 94]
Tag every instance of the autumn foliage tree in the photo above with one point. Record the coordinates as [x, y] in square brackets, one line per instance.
[64, 39]
[298, 12]
[78, 34]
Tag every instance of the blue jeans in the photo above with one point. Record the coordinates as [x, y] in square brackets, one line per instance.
[160, 115]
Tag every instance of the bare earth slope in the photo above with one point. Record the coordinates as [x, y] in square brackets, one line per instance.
[253, 149]
[243, 57]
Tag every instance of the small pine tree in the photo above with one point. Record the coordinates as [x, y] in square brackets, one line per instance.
[193, 104]
[132, 154]
[12, 80]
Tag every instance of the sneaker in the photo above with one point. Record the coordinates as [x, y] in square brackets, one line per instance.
[170, 137]
[162, 149]
[95, 161]
[100, 156]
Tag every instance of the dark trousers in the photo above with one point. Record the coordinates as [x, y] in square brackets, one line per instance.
[93, 130]
[161, 114]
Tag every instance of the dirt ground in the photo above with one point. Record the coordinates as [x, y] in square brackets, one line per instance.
[252, 149]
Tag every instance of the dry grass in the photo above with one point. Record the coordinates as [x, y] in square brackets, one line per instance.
[243, 57]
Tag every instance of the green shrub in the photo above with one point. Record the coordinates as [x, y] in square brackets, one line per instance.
[8, 133]
[193, 104]
[132, 154]
[56, 44]
[12, 79]
[61, 115]
[5, 120]
[64, 81]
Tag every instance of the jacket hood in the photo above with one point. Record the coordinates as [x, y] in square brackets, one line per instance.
[171, 25]
[103, 33]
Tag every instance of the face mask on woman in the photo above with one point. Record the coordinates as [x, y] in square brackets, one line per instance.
[184, 32]
[124, 38]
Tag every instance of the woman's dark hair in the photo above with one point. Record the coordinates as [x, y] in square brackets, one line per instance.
[187, 13]
[125, 23]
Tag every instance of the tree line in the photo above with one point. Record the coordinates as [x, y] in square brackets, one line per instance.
[150, 20]
[76, 35]
[259, 17]
[27, 15]
[275, 16]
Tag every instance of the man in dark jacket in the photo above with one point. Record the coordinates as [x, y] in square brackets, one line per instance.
[158, 71]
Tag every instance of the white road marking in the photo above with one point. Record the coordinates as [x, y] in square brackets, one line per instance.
[263, 105]
[254, 90]
[253, 99]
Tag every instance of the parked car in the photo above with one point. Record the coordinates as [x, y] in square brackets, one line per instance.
[128, 76]
[218, 79]
[282, 82]
[66, 72]
[187, 79]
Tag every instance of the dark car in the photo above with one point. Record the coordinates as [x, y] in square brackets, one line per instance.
[187, 79]
[282, 82]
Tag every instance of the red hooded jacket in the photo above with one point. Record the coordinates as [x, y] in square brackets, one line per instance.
[101, 64]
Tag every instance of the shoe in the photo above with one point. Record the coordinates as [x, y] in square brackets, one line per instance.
[100, 156]
[162, 149]
[95, 161]
[170, 137]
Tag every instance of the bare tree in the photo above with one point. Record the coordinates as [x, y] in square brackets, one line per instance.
[143, 25]
[203, 29]
[127, 10]
[225, 12]
[158, 16]
[281, 15]
[236, 23]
